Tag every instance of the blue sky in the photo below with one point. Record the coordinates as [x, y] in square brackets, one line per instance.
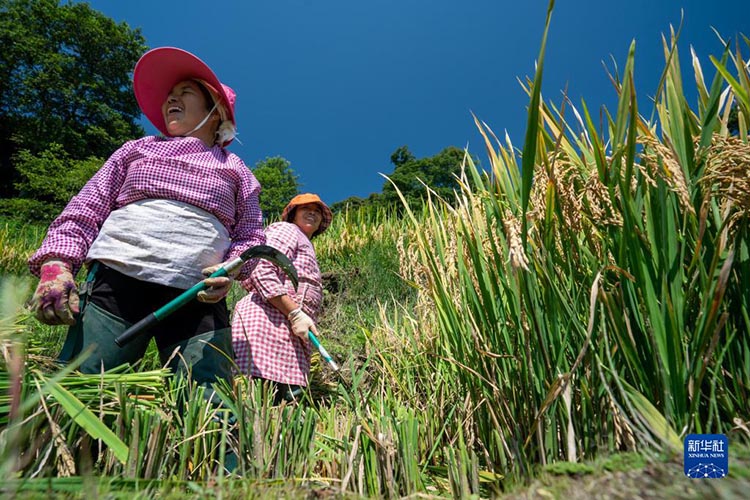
[335, 86]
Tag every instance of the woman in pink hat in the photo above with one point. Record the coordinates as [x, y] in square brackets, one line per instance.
[160, 214]
[270, 324]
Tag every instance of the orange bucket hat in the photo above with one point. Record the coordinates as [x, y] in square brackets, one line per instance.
[304, 199]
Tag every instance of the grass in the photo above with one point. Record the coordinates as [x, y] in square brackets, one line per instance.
[18, 241]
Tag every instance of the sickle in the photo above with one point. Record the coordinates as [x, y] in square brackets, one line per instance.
[260, 251]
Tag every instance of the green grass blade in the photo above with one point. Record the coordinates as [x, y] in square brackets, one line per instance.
[532, 127]
[87, 420]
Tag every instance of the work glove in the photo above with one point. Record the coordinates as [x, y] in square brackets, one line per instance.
[218, 288]
[55, 301]
[301, 323]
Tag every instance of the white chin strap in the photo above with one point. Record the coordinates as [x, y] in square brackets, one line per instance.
[203, 122]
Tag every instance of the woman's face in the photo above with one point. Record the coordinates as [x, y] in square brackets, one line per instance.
[308, 217]
[184, 108]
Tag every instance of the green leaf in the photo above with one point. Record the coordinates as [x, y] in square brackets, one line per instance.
[87, 420]
[655, 420]
[742, 95]
[532, 127]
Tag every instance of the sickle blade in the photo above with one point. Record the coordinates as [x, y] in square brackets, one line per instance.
[261, 252]
[273, 255]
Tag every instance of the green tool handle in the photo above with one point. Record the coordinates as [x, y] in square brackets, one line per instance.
[164, 311]
[322, 350]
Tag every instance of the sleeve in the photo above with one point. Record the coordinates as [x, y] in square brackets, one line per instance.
[71, 234]
[248, 228]
[266, 278]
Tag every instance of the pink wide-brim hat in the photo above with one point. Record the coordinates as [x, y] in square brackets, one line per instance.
[160, 69]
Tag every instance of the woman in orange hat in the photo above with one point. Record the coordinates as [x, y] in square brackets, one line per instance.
[270, 324]
[159, 214]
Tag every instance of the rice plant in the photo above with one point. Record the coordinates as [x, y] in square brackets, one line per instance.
[591, 298]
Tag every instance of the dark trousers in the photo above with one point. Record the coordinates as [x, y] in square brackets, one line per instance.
[194, 341]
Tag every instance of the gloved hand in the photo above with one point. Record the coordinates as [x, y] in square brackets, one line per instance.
[55, 301]
[301, 323]
[218, 288]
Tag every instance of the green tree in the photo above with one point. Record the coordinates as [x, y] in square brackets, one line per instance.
[411, 174]
[46, 182]
[402, 155]
[278, 183]
[357, 202]
[65, 78]
[350, 203]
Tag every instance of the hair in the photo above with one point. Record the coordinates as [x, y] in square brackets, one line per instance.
[214, 100]
[210, 101]
[290, 215]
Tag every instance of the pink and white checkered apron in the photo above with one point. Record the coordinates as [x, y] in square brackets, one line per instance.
[264, 345]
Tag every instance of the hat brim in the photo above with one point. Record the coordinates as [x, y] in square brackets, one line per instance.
[159, 70]
[326, 220]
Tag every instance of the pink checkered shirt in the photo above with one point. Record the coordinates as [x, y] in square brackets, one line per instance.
[264, 345]
[181, 169]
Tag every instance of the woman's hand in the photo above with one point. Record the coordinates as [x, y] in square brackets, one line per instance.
[219, 287]
[301, 323]
[55, 301]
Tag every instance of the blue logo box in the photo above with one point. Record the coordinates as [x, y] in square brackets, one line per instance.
[706, 456]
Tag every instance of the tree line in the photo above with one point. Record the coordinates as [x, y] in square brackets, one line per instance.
[66, 104]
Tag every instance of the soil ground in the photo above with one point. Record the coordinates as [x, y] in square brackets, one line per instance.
[653, 480]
